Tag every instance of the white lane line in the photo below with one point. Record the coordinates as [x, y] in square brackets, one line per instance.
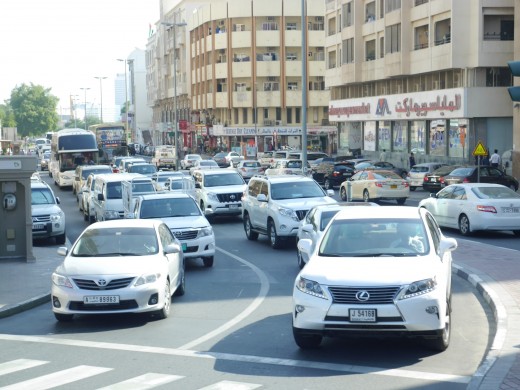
[58, 378]
[18, 365]
[264, 289]
[143, 382]
[230, 385]
[336, 367]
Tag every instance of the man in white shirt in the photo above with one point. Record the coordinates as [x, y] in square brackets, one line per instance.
[494, 160]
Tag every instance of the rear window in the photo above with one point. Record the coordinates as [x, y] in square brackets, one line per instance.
[419, 169]
[251, 164]
[501, 192]
[462, 172]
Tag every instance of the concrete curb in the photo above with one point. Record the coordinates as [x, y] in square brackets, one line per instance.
[25, 305]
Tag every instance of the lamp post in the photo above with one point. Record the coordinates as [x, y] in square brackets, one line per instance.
[176, 129]
[126, 98]
[101, 78]
[85, 90]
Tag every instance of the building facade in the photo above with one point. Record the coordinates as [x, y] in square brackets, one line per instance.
[422, 76]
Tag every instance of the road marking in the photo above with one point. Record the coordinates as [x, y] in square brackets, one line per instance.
[18, 365]
[335, 367]
[264, 289]
[230, 385]
[58, 378]
[143, 382]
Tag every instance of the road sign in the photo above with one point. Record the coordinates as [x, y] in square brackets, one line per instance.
[480, 150]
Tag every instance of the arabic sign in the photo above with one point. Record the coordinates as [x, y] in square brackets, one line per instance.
[219, 130]
[446, 104]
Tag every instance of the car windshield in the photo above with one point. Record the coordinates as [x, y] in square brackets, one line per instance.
[501, 192]
[296, 190]
[374, 237]
[114, 190]
[294, 164]
[143, 169]
[41, 196]
[169, 207]
[462, 172]
[442, 171]
[133, 241]
[251, 164]
[231, 179]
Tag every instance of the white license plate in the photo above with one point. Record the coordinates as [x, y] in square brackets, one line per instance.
[233, 206]
[362, 315]
[99, 299]
[510, 210]
[38, 226]
[433, 180]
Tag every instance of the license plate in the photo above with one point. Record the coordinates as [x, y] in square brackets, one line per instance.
[38, 226]
[233, 206]
[510, 209]
[433, 180]
[393, 186]
[184, 246]
[362, 315]
[100, 299]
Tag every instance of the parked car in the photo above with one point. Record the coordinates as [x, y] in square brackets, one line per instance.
[488, 174]
[434, 181]
[332, 171]
[189, 160]
[470, 207]
[376, 271]
[376, 185]
[120, 266]
[315, 222]
[417, 173]
[48, 219]
[249, 168]
[203, 164]
[286, 167]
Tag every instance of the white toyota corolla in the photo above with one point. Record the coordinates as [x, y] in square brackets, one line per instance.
[376, 271]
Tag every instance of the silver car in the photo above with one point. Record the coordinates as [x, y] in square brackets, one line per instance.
[119, 266]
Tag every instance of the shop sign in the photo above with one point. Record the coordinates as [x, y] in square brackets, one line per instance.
[219, 130]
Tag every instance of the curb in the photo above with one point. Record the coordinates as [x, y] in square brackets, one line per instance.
[25, 305]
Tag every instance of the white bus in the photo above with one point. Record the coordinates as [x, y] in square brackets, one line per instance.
[70, 148]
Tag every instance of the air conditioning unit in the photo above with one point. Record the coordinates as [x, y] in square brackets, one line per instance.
[270, 19]
[278, 123]
[309, 54]
[268, 122]
[319, 18]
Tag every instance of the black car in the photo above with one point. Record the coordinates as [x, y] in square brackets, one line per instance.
[220, 159]
[434, 181]
[468, 174]
[331, 174]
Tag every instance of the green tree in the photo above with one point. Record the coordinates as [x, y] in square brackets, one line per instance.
[80, 123]
[34, 109]
[7, 116]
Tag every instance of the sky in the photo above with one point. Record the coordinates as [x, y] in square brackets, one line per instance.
[65, 44]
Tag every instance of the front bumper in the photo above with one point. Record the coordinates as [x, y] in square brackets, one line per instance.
[217, 208]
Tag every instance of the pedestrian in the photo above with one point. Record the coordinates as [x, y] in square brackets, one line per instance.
[382, 156]
[495, 159]
[412, 160]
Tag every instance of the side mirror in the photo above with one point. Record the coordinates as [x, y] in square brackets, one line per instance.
[307, 228]
[62, 251]
[197, 184]
[305, 246]
[261, 198]
[330, 192]
[58, 200]
[172, 248]
[447, 245]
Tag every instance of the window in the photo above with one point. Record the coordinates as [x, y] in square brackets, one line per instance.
[348, 51]
[421, 37]
[292, 86]
[270, 26]
[290, 26]
[244, 115]
[289, 115]
[240, 87]
[392, 5]
[370, 50]
[347, 13]
[297, 114]
[393, 38]
[271, 86]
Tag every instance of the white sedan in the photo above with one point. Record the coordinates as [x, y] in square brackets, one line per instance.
[119, 266]
[475, 206]
[376, 271]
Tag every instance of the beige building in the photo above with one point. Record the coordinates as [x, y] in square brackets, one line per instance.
[246, 63]
[427, 76]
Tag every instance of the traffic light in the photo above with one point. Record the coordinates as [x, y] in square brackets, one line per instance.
[514, 92]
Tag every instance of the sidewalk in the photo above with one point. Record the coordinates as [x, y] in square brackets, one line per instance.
[495, 272]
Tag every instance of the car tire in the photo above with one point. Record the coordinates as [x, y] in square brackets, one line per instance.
[366, 196]
[208, 261]
[464, 225]
[306, 341]
[274, 238]
[328, 184]
[181, 289]
[401, 201]
[165, 311]
[442, 342]
[63, 317]
[60, 240]
[250, 234]
[85, 216]
[412, 188]
[343, 193]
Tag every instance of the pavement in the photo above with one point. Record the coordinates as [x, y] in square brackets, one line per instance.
[495, 273]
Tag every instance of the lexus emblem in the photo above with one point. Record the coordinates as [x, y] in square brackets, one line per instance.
[362, 296]
[102, 282]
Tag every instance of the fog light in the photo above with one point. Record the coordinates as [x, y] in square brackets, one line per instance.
[283, 227]
[56, 302]
[154, 299]
[57, 226]
[299, 308]
[432, 310]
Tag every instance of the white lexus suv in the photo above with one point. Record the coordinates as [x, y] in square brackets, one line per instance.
[275, 205]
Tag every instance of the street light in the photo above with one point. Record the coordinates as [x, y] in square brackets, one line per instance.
[85, 90]
[126, 98]
[176, 130]
[101, 78]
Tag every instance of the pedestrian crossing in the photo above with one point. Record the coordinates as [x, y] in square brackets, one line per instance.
[75, 374]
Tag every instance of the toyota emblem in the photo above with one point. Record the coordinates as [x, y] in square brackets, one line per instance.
[362, 296]
[232, 197]
[102, 282]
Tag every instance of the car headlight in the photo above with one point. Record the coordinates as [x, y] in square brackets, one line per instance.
[60, 280]
[310, 287]
[419, 288]
[289, 213]
[56, 217]
[111, 214]
[207, 231]
[212, 196]
[147, 278]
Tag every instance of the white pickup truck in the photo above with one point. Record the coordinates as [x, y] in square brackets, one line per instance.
[131, 189]
[165, 157]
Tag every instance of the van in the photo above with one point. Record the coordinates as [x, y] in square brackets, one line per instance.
[165, 157]
[107, 199]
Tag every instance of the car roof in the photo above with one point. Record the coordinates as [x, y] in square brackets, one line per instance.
[120, 176]
[284, 178]
[341, 206]
[403, 212]
[217, 171]
[126, 223]
[428, 164]
[473, 185]
[162, 195]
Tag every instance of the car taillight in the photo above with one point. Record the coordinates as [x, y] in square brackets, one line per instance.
[406, 184]
[487, 209]
[336, 173]
[378, 184]
[466, 180]
[441, 179]
[425, 178]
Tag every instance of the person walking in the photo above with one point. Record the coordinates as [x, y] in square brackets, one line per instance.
[495, 159]
[382, 156]
[412, 160]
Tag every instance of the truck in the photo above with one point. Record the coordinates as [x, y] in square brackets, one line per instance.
[165, 157]
[132, 188]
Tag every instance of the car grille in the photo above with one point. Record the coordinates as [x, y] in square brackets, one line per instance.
[233, 197]
[122, 305]
[88, 284]
[301, 214]
[41, 218]
[377, 295]
[183, 235]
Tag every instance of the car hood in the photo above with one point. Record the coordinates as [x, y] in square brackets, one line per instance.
[227, 189]
[370, 271]
[198, 221]
[107, 266]
[305, 203]
[44, 209]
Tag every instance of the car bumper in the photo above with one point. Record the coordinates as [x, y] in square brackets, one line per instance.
[200, 247]
[490, 221]
[49, 229]
[223, 209]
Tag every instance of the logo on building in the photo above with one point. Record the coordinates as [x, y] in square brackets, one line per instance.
[382, 107]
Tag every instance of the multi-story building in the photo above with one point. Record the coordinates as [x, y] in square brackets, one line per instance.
[422, 76]
[246, 59]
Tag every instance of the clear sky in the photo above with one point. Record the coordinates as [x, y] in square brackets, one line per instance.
[64, 44]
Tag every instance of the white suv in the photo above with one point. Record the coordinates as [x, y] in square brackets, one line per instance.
[275, 205]
[48, 220]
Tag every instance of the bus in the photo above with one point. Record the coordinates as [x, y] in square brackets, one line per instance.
[70, 148]
[110, 138]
